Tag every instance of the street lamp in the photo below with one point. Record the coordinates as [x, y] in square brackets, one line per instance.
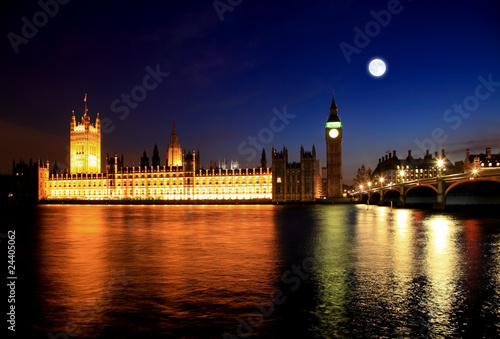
[368, 202]
[381, 190]
[440, 164]
[440, 199]
[474, 172]
[402, 174]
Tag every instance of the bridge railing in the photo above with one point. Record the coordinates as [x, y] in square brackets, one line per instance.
[446, 178]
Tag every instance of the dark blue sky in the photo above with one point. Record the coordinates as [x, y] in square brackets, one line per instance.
[225, 78]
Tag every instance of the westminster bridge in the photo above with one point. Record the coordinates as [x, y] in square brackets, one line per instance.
[473, 188]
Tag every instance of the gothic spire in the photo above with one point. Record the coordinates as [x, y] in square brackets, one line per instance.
[263, 159]
[156, 157]
[334, 105]
[333, 110]
[173, 137]
[85, 100]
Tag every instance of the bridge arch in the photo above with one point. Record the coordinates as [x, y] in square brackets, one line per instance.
[375, 197]
[391, 195]
[394, 189]
[474, 192]
[364, 198]
[423, 195]
[459, 182]
[419, 186]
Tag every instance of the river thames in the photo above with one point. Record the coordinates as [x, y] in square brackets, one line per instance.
[315, 271]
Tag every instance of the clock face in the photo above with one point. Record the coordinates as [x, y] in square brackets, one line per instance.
[333, 133]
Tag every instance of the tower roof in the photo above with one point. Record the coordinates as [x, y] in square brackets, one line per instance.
[333, 110]
[85, 101]
[174, 140]
[334, 105]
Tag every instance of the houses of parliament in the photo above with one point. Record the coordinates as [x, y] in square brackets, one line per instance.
[181, 178]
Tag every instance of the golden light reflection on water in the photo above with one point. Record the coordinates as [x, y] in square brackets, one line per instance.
[402, 222]
[404, 253]
[332, 256]
[77, 269]
[494, 276]
[365, 264]
[443, 270]
[378, 271]
[403, 247]
[398, 266]
[179, 261]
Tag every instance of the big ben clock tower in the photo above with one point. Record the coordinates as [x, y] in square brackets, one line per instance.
[333, 134]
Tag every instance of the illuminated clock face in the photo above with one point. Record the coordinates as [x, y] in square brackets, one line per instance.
[333, 133]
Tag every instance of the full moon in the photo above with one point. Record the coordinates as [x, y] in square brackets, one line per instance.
[377, 67]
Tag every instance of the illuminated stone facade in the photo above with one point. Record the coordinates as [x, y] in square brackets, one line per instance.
[180, 180]
[161, 184]
[481, 162]
[85, 144]
[174, 152]
[392, 169]
[294, 181]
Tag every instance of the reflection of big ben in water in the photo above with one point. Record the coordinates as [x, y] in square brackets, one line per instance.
[333, 135]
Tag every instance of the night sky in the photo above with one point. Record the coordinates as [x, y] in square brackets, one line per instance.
[224, 80]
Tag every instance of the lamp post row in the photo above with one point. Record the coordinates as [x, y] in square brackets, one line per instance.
[440, 165]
